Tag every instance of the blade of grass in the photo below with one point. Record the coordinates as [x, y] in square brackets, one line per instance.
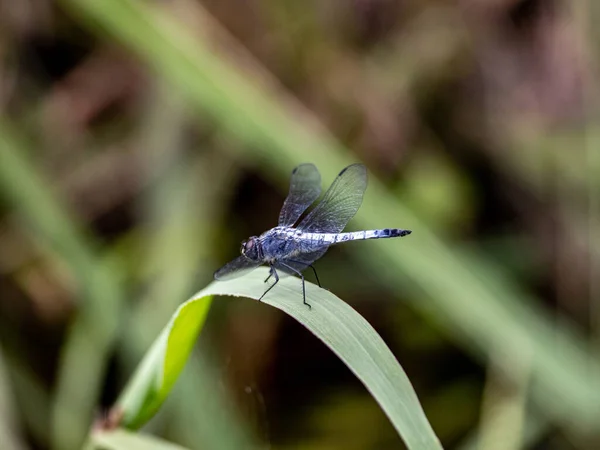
[161, 366]
[339, 326]
[32, 397]
[533, 431]
[484, 312]
[124, 440]
[9, 436]
[504, 405]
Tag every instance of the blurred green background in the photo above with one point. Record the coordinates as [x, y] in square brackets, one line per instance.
[140, 142]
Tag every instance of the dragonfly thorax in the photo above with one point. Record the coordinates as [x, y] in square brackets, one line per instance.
[251, 249]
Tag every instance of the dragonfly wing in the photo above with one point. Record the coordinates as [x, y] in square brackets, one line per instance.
[305, 187]
[236, 268]
[340, 202]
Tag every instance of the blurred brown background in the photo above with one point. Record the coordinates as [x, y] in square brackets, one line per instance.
[123, 190]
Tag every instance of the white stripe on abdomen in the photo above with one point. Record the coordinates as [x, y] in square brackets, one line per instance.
[334, 238]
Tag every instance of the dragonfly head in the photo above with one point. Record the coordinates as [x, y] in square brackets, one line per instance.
[250, 249]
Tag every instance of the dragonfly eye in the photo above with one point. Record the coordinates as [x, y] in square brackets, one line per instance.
[249, 249]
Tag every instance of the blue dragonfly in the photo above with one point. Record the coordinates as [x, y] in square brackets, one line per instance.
[294, 245]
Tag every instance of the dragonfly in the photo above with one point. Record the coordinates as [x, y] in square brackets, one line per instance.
[297, 242]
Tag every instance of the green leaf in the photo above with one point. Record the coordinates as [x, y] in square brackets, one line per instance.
[123, 440]
[158, 371]
[332, 320]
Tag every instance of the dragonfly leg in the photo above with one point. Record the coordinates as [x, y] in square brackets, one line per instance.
[316, 276]
[313, 269]
[270, 273]
[303, 284]
[274, 273]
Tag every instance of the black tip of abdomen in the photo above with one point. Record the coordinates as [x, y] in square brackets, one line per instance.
[391, 233]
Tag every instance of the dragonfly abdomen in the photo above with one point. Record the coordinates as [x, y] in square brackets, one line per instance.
[335, 238]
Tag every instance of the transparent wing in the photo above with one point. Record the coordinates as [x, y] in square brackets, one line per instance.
[305, 187]
[340, 202]
[236, 268]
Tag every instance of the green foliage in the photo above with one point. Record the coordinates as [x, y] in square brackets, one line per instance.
[155, 376]
[333, 321]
